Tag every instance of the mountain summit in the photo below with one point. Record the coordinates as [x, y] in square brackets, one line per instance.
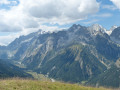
[96, 28]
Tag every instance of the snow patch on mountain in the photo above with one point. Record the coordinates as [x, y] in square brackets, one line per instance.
[96, 28]
[111, 30]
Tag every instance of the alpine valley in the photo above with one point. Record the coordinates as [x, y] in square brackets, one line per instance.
[86, 55]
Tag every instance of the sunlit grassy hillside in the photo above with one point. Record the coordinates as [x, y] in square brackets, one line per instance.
[21, 84]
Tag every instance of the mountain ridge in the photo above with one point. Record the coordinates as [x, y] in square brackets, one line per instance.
[88, 50]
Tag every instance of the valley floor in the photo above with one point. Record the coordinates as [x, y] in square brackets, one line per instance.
[24, 84]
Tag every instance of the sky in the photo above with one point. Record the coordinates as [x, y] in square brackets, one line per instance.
[21, 17]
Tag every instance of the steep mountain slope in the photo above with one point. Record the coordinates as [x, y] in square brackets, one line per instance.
[74, 64]
[106, 47]
[110, 78]
[9, 70]
[77, 34]
[17, 48]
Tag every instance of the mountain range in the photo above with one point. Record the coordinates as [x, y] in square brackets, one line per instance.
[77, 54]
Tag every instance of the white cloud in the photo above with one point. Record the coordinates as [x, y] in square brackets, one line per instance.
[8, 2]
[91, 21]
[4, 2]
[5, 27]
[103, 15]
[29, 15]
[32, 13]
[5, 40]
[117, 3]
[110, 7]
[62, 11]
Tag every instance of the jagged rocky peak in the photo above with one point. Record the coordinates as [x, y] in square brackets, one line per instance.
[111, 30]
[113, 27]
[96, 28]
[116, 32]
[75, 27]
[40, 31]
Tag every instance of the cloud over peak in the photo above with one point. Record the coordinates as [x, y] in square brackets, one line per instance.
[63, 9]
[27, 16]
[32, 13]
[117, 3]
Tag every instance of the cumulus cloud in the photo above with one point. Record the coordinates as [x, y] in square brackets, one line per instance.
[8, 28]
[8, 2]
[104, 15]
[30, 15]
[4, 2]
[110, 7]
[63, 10]
[91, 21]
[117, 3]
[5, 40]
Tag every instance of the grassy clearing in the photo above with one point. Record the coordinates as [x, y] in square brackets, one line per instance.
[22, 84]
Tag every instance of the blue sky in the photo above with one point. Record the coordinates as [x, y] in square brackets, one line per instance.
[9, 4]
[21, 17]
[107, 16]
[110, 16]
